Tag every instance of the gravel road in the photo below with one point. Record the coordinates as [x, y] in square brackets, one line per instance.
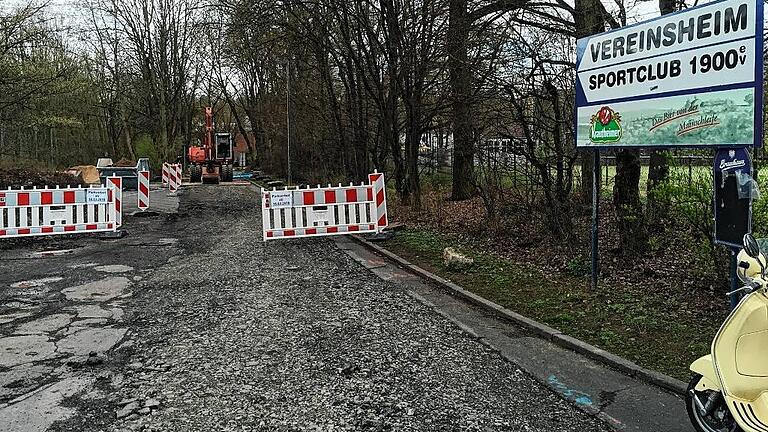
[231, 334]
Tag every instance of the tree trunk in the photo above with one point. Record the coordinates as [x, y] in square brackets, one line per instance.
[626, 199]
[412, 141]
[588, 22]
[390, 119]
[461, 88]
[658, 166]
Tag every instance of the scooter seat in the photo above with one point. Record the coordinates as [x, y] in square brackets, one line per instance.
[751, 416]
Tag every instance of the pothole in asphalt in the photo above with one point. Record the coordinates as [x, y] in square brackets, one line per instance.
[114, 268]
[36, 282]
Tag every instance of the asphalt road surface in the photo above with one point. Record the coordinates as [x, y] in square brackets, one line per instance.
[192, 323]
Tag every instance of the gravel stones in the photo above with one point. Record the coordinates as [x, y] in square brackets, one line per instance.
[127, 410]
[295, 335]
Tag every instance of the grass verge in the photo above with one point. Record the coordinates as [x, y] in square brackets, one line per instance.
[650, 328]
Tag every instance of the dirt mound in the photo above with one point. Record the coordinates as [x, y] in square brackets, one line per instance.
[125, 163]
[18, 177]
[87, 173]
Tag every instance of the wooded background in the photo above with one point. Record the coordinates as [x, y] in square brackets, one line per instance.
[362, 81]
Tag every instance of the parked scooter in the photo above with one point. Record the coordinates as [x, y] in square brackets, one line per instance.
[730, 389]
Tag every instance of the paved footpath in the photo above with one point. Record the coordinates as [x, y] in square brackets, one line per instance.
[207, 328]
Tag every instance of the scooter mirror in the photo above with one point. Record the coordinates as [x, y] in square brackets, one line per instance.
[751, 247]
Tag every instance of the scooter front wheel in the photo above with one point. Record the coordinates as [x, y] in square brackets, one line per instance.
[717, 419]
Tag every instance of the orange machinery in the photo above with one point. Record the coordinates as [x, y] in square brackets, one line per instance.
[211, 162]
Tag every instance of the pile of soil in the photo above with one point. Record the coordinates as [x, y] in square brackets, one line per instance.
[124, 163]
[25, 177]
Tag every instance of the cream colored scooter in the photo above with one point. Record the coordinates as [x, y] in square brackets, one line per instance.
[730, 389]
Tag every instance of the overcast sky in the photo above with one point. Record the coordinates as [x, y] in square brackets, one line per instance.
[636, 10]
[67, 14]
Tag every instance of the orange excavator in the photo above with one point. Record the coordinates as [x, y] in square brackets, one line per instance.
[211, 162]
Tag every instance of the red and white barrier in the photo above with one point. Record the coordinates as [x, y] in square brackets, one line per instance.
[115, 188]
[174, 178]
[380, 188]
[36, 212]
[323, 211]
[166, 174]
[143, 195]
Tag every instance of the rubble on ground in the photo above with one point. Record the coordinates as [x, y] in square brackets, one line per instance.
[456, 261]
[28, 177]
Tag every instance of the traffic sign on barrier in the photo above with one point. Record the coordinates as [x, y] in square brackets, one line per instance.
[323, 211]
[50, 211]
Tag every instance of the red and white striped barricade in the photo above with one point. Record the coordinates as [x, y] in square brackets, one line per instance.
[174, 179]
[48, 211]
[166, 174]
[143, 195]
[324, 211]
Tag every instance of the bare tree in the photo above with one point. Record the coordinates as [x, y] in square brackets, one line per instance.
[160, 39]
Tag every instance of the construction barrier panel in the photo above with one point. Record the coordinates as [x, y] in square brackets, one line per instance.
[166, 174]
[174, 178]
[143, 195]
[37, 212]
[324, 211]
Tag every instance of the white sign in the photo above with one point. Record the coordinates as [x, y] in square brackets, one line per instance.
[281, 199]
[96, 196]
[703, 47]
[644, 85]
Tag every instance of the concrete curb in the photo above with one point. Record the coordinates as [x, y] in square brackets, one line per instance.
[623, 365]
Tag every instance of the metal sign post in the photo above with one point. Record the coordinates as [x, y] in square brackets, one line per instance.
[595, 218]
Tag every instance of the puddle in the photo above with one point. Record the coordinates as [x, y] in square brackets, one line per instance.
[36, 282]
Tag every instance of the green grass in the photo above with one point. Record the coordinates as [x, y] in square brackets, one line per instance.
[645, 327]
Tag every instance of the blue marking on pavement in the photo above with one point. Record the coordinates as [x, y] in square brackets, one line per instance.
[579, 397]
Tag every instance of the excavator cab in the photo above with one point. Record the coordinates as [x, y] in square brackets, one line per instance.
[223, 146]
[213, 161]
